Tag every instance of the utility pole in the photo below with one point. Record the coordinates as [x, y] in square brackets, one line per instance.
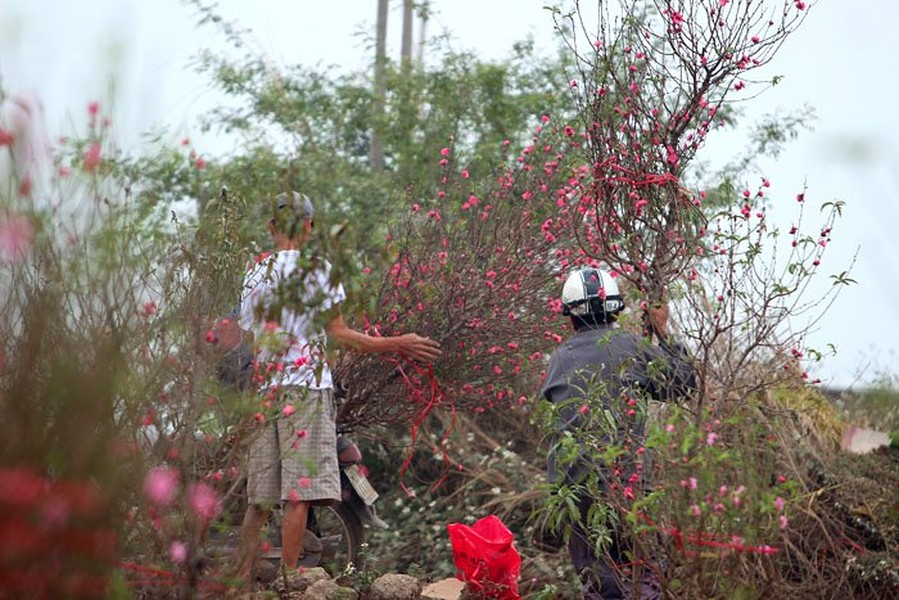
[424, 11]
[406, 47]
[376, 151]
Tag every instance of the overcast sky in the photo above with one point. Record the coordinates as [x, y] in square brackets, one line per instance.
[134, 56]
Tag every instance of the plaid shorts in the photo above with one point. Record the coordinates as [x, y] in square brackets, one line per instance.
[294, 457]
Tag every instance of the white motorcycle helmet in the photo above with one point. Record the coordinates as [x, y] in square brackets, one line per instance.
[591, 294]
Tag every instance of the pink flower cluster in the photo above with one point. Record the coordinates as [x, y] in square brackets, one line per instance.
[16, 235]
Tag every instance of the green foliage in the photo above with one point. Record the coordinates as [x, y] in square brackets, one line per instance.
[774, 131]
[106, 368]
[104, 365]
[309, 129]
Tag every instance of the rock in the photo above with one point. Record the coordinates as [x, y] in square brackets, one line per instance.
[859, 440]
[446, 589]
[300, 580]
[326, 589]
[395, 587]
[265, 571]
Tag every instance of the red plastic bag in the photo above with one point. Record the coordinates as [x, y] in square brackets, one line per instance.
[486, 558]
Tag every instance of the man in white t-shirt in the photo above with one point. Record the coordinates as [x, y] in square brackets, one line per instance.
[291, 306]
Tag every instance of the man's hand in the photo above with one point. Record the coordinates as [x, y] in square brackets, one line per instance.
[417, 347]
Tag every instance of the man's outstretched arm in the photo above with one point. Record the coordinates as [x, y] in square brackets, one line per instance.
[410, 345]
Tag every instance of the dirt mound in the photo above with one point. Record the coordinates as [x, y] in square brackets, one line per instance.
[857, 497]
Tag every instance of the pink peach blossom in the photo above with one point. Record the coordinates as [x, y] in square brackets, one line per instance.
[203, 501]
[178, 552]
[161, 485]
[16, 234]
[92, 157]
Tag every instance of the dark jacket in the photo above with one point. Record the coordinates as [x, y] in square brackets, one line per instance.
[617, 364]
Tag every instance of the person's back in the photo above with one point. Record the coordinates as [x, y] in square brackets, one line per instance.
[615, 357]
[299, 291]
[607, 364]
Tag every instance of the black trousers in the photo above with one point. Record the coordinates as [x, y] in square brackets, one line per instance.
[601, 576]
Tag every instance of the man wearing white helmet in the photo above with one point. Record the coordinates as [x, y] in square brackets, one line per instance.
[603, 367]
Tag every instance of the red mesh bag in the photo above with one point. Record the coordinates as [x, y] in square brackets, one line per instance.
[486, 558]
